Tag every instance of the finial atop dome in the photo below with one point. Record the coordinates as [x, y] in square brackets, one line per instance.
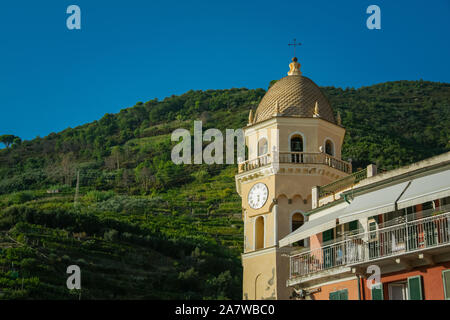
[316, 110]
[339, 119]
[250, 117]
[294, 68]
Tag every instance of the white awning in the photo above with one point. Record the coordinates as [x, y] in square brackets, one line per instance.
[373, 203]
[311, 228]
[377, 202]
[427, 188]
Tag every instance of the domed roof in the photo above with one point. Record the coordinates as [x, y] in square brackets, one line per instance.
[294, 96]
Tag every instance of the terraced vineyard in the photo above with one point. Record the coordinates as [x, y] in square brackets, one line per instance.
[141, 227]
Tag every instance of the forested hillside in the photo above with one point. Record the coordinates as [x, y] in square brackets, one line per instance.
[141, 227]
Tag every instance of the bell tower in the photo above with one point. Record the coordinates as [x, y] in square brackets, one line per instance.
[294, 144]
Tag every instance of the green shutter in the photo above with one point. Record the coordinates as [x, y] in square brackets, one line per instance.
[334, 295]
[343, 294]
[353, 225]
[377, 292]
[446, 283]
[415, 288]
[339, 295]
[327, 235]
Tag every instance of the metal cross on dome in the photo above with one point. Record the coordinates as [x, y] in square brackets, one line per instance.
[294, 44]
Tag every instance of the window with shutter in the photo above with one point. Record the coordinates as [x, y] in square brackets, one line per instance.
[446, 283]
[339, 295]
[377, 292]
[415, 288]
[397, 290]
[353, 225]
[445, 201]
[343, 294]
[327, 235]
[373, 226]
[334, 295]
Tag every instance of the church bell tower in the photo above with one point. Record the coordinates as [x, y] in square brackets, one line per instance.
[294, 144]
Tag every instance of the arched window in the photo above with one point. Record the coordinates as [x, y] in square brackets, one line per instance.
[262, 147]
[329, 147]
[297, 146]
[297, 222]
[297, 143]
[259, 233]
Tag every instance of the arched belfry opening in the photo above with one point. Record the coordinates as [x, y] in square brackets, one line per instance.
[296, 144]
[259, 233]
[329, 147]
[263, 147]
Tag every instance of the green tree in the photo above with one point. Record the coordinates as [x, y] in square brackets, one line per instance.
[7, 139]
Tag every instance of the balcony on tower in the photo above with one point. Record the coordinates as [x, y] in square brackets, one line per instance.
[296, 159]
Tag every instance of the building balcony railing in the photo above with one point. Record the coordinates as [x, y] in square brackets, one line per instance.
[297, 158]
[255, 163]
[391, 241]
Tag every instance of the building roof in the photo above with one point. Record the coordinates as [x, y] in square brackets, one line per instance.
[294, 96]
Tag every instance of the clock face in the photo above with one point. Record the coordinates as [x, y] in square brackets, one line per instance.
[257, 196]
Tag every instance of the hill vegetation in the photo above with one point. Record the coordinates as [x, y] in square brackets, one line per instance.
[141, 227]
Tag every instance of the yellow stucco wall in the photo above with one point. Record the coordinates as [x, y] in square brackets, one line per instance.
[259, 280]
[265, 271]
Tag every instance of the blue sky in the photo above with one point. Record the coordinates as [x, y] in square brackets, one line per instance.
[128, 51]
